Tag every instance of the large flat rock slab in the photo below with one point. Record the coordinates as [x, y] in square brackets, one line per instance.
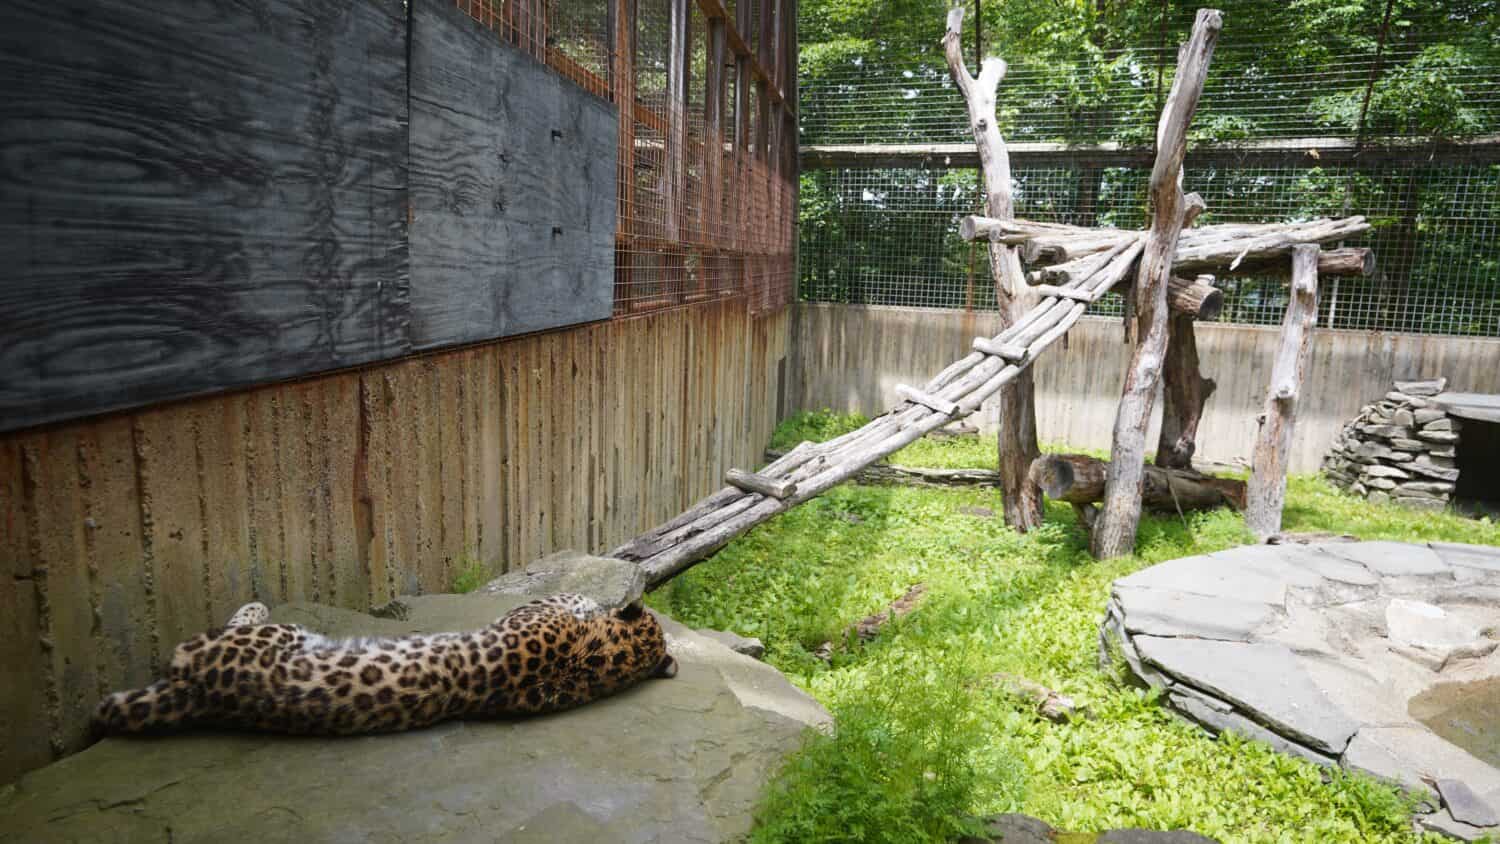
[684, 759]
[1331, 652]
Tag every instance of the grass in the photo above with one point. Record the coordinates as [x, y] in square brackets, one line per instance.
[925, 738]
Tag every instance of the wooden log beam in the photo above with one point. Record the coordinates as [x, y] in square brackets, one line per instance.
[1114, 531]
[751, 482]
[1273, 442]
[941, 405]
[1196, 298]
[1081, 480]
[1358, 261]
[1017, 442]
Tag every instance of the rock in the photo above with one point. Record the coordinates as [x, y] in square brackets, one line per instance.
[1013, 829]
[1415, 503]
[1265, 680]
[1440, 425]
[1424, 625]
[1400, 457]
[749, 646]
[1379, 483]
[1444, 437]
[1204, 575]
[1371, 451]
[1429, 387]
[1443, 823]
[1219, 717]
[685, 759]
[1464, 805]
[1379, 497]
[1450, 451]
[1419, 467]
[1168, 612]
[1416, 489]
[1386, 431]
[1441, 487]
[1391, 559]
[1468, 556]
[1359, 489]
[1407, 444]
[1404, 418]
[1398, 397]
[1437, 460]
[1385, 472]
[1426, 415]
[610, 581]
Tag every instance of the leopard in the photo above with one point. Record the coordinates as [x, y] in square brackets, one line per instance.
[549, 655]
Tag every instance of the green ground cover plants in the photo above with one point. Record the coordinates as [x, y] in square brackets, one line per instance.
[926, 736]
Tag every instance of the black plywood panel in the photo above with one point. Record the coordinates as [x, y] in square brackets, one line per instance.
[196, 195]
[512, 188]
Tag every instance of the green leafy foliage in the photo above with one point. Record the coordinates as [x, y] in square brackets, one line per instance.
[471, 575]
[918, 698]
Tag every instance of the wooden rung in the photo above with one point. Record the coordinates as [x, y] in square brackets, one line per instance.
[1005, 351]
[751, 482]
[1073, 293]
[941, 405]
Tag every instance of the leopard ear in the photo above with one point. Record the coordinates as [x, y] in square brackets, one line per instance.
[632, 610]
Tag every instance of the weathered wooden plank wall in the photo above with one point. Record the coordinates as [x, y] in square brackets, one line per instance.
[200, 196]
[512, 180]
[851, 357]
[123, 534]
[197, 195]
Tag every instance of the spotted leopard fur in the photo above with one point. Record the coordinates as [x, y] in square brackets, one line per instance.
[548, 655]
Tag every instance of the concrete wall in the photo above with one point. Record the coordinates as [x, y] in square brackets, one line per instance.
[122, 535]
[851, 357]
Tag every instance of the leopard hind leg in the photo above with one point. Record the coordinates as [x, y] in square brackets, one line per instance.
[159, 707]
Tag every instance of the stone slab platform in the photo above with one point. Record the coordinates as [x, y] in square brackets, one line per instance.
[1317, 650]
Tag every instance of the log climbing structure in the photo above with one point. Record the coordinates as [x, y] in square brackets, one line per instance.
[1070, 268]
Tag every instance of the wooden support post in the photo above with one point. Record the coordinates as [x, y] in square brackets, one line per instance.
[751, 482]
[674, 171]
[1016, 445]
[1184, 389]
[1273, 442]
[713, 133]
[1114, 532]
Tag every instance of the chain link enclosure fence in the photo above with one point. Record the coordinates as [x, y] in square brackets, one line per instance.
[1405, 134]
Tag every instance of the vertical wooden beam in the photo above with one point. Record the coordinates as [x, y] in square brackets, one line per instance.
[673, 176]
[1115, 529]
[713, 131]
[1266, 492]
[1016, 442]
[622, 88]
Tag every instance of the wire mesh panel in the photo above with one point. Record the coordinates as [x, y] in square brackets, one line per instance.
[702, 213]
[890, 236]
[1403, 129]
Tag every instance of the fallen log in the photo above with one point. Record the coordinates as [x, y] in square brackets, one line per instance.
[890, 474]
[1079, 480]
[1184, 393]
[1196, 298]
[1348, 261]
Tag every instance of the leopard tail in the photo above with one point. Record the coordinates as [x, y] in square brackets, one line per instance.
[159, 707]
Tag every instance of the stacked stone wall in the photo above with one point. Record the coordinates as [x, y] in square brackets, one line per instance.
[1401, 448]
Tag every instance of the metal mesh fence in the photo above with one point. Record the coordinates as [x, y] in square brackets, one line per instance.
[1404, 132]
[704, 213]
[890, 236]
